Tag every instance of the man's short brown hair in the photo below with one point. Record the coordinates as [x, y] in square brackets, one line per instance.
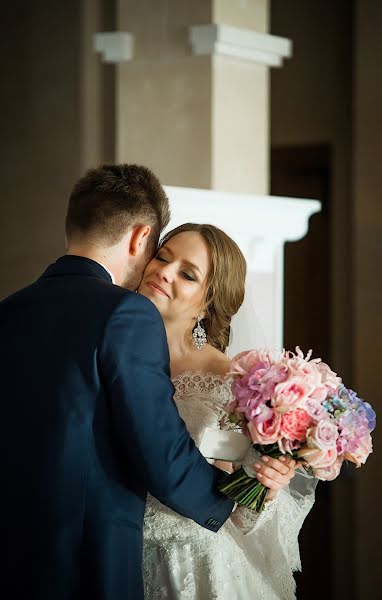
[112, 199]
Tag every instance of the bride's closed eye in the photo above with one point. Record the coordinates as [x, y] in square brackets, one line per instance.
[188, 276]
[160, 258]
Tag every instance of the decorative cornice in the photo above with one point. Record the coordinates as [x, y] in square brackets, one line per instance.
[259, 224]
[115, 46]
[244, 44]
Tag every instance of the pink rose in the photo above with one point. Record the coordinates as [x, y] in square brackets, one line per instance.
[329, 473]
[288, 445]
[323, 436]
[294, 424]
[265, 431]
[291, 393]
[360, 455]
[320, 450]
[317, 458]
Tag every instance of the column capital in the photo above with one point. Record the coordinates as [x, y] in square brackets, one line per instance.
[245, 44]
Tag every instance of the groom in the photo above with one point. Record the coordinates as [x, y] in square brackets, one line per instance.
[88, 422]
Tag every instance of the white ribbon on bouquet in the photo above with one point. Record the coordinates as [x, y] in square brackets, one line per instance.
[230, 446]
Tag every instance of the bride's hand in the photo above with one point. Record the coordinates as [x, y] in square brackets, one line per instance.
[224, 466]
[275, 473]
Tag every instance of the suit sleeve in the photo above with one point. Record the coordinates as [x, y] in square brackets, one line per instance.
[134, 364]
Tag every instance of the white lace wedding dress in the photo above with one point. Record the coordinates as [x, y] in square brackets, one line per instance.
[252, 556]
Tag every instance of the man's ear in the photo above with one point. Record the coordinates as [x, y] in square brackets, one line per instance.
[138, 239]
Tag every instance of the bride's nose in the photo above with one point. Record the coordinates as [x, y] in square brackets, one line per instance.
[166, 272]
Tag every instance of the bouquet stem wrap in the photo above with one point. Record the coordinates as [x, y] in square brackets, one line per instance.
[243, 487]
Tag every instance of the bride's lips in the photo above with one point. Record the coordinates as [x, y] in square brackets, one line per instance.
[156, 288]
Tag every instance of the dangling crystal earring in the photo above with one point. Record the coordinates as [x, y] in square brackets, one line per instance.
[199, 335]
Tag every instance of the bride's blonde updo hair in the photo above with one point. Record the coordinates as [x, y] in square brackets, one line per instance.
[225, 281]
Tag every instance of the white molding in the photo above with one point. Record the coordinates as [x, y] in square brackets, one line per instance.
[115, 46]
[259, 224]
[261, 48]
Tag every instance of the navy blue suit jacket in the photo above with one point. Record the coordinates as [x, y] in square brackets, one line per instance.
[88, 425]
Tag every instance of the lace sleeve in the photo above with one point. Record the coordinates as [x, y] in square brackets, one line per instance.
[277, 528]
[270, 540]
[282, 518]
[295, 503]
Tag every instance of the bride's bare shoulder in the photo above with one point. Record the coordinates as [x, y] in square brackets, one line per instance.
[215, 361]
[207, 360]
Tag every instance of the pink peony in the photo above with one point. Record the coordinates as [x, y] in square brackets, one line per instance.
[265, 431]
[294, 424]
[291, 393]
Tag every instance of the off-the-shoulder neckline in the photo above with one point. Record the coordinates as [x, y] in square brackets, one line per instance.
[202, 375]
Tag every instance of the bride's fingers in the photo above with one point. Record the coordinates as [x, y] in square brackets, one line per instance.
[270, 483]
[275, 463]
[290, 462]
[271, 474]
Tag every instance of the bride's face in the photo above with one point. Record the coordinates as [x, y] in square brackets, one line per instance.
[175, 280]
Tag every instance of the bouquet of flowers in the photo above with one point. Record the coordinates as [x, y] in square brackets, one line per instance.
[291, 404]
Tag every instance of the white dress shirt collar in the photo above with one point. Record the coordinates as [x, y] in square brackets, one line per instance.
[110, 273]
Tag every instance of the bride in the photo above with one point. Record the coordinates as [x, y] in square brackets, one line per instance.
[197, 282]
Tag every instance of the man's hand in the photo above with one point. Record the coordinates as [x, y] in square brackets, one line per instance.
[275, 473]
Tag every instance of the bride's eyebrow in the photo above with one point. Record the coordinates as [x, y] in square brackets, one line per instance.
[195, 267]
[186, 262]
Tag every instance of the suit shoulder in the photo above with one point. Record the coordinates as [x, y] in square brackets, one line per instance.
[135, 301]
[15, 296]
